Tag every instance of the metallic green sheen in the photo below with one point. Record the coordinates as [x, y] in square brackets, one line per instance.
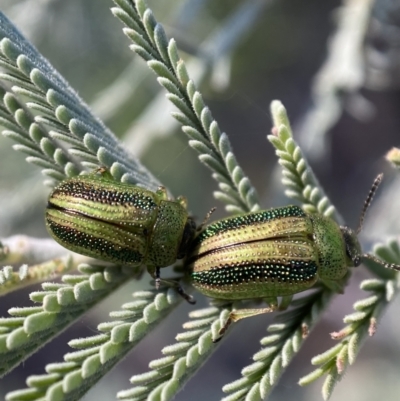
[270, 253]
[252, 280]
[331, 247]
[116, 222]
[246, 220]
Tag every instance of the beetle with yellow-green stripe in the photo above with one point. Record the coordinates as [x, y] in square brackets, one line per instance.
[96, 216]
[266, 254]
[272, 253]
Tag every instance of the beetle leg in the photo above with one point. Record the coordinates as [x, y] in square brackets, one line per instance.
[157, 277]
[104, 172]
[176, 286]
[186, 297]
[239, 314]
[172, 283]
[285, 302]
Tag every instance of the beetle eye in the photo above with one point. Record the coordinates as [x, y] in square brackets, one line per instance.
[352, 246]
[353, 254]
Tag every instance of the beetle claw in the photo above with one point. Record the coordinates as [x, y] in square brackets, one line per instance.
[158, 280]
[223, 329]
[185, 296]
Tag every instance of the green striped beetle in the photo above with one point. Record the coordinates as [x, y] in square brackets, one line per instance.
[96, 216]
[265, 254]
[271, 253]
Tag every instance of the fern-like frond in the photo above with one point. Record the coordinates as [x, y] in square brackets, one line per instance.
[56, 130]
[49, 121]
[360, 324]
[181, 360]
[213, 146]
[11, 280]
[29, 328]
[278, 348]
[301, 183]
[94, 356]
[7, 275]
[23, 249]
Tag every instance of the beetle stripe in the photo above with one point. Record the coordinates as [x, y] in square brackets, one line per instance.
[89, 191]
[268, 227]
[291, 272]
[277, 249]
[249, 219]
[248, 280]
[100, 240]
[257, 269]
[119, 203]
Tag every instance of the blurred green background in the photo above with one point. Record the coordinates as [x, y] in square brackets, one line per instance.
[242, 55]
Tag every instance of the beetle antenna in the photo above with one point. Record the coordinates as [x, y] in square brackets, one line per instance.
[205, 221]
[367, 204]
[368, 201]
[381, 262]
